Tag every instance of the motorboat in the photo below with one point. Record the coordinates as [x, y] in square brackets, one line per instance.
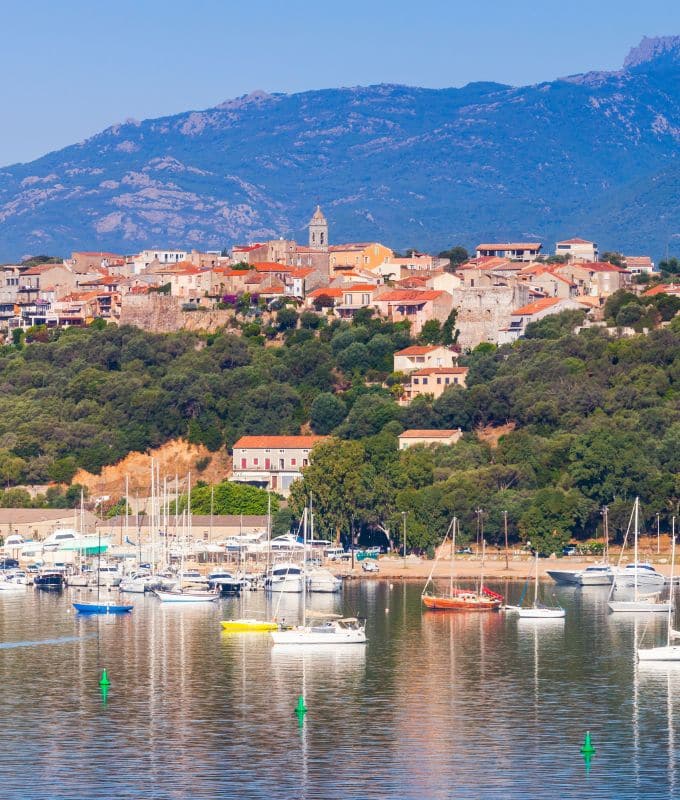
[566, 577]
[102, 608]
[594, 575]
[70, 540]
[323, 580]
[13, 581]
[286, 542]
[225, 582]
[143, 581]
[191, 576]
[641, 574]
[49, 580]
[285, 577]
[348, 630]
[184, 596]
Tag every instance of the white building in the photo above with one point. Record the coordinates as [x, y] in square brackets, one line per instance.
[422, 356]
[515, 251]
[539, 309]
[577, 250]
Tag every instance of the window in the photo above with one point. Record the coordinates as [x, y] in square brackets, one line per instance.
[416, 380]
[267, 463]
[243, 463]
[446, 381]
[348, 299]
[455, 380]
[304, 462]
[282, 463]
[424, 381]
[365, 299]
[256, 461]
[439, 380]
[293, 462]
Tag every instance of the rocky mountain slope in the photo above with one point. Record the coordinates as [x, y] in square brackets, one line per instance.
[591, 155]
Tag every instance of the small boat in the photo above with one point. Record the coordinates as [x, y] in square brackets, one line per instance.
[669, 651]
[11, 586]
[460, 599]
[185, 596]
[323, 580]
[49, 581]
[536, 610]
[286, 577]
[348, 630]
[225, 582]
[101, 608]
[595, 575]
[641, 576]
[248, 625]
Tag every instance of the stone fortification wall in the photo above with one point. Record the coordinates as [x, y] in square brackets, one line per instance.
[160, 313]
[482, 312]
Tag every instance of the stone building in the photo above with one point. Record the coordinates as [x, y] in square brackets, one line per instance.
[484, 311]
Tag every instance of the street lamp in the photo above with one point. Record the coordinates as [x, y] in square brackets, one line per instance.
[403, 516]
[505, 526]
[480, 529]
[658, 534]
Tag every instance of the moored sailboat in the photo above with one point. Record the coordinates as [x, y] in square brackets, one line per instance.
[536, 610]
[459, 599]
[669, 651]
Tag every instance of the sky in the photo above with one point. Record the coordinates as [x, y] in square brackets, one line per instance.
[72, 68]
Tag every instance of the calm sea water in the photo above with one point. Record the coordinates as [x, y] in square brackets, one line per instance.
[435, 706]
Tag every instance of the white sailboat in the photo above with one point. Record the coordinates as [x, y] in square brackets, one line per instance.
[348, 630]
[537, 611]
[670, 651]
[646, 603]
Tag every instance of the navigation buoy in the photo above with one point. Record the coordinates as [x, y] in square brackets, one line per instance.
[301, 708]
[105, 692]
[104, 680]
[587, 747]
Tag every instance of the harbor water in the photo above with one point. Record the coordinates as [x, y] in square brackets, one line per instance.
[436, 705]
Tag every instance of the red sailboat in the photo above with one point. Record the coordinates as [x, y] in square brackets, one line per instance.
[460, 599]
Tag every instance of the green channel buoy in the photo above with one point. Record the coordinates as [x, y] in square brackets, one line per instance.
[105, 693]
[104, 680]
[301, 708]
[587, 747]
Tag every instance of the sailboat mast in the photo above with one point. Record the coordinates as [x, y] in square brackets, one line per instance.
[453, 539]
[637, 506]
[269, 530]
[304, 575]
[481, 568]
[536, 582]
[670, 590]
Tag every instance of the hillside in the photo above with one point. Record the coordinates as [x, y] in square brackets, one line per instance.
[567, 423]
[409, 166]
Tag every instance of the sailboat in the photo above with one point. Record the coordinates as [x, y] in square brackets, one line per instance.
[669, 651]
[648, 603]
[460, 599]
[99, 607]
[343, 630]
[250, 625]
[180, 595]
[537, 611]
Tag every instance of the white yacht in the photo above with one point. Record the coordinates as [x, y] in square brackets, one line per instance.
[640, 573]
[285, 577]
[595, 575]
[338, 631]
[322, 580]
[286, 542]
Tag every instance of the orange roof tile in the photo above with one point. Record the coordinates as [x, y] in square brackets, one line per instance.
[441, 371]
[575, 240]
[280, 442]
[534, 308]
[417, 350]
[329, 291]
[271, 266]
[409, 296]
[414, 433]
[359, 287]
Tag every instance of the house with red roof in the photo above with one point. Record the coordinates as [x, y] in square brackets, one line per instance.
[597, 278]
[533, 312]
[433, 381]
[422, 356]
[577, 249]
[416, 306]
[272, 462]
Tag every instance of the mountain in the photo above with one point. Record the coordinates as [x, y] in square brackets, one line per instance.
[592, 155]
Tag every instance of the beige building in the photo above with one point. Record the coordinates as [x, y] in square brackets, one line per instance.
[272, 462]
[422, 356]
[577, 250]
[414, 305]
[433, 381]
[533, 312]
[515, 251]
[411, 438]
[369, 255]
[203, 526]
[598, 279]
[39, 523]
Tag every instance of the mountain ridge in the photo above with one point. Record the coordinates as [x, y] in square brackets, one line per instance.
[410, 166]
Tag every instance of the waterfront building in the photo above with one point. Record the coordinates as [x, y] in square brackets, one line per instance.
[272, 462]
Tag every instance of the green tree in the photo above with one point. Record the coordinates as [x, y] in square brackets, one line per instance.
[286, 319]
[327, 412]
[431, 332]
[457, 255]
[11, 467]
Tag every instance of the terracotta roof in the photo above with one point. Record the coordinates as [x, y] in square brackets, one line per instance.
[40, 268]
[277, 442]
[246, 248]
[409, 296]
[534, 308]
[339, 248]
[639, 261]
[575, 240]
[301, 272]
[430, 434]
[591, 302]
[329, 291]
[441, 371]
[662, 288]
[95, 253]
[272, 290]
[484, 262]
[510, 246]
[417, 350]
[359, 287]
[600, 266]
[271, 266]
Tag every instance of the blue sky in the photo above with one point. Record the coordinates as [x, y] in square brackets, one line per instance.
[71, 68]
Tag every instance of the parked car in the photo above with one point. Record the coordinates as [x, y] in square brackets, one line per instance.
[569, 551]
[464, 551]
[370, 566]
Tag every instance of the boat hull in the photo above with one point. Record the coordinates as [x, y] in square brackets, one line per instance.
[565, 577]
[596, 579]
[460, 604]
[669, 653]
[185, 597]
[541, 613]
[248, 626]
[638, 606]
[309, 636]
[290, 585]
[101, 608]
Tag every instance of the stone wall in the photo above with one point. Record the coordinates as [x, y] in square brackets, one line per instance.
[160, 313]
[482, 312]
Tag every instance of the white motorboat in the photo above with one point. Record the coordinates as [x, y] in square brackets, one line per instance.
[348, 630]
[191, 576]
[565, 576]
[669, 651]
[323, 580]
[595, 575]
[186, 596]
[13, 581]
[642, 575]
[285, 577]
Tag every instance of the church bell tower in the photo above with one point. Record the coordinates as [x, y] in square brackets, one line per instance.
[318, 231]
